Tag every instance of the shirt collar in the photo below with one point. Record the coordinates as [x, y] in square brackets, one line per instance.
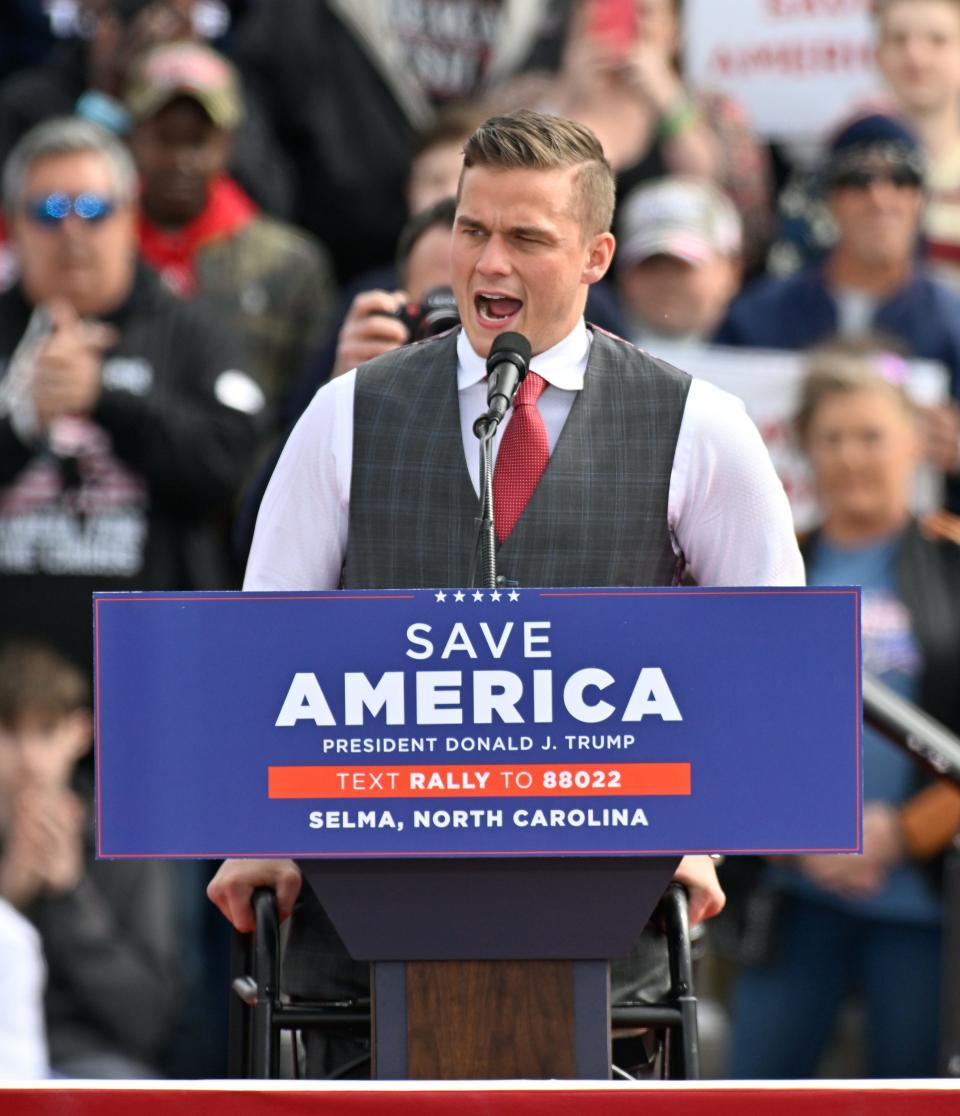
[562, 366]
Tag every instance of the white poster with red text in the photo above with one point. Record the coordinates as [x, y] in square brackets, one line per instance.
[770, 381]
[795, 66]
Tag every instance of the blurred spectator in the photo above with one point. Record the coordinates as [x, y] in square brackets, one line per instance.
[92, 65]
[868, 925]
[107, 927]
[23, 1039]
[269, 282]
[871, 280]
[126, 422]
[350, 84]
[918, 53]
[621, 77]
[678, 261]
[88, 74]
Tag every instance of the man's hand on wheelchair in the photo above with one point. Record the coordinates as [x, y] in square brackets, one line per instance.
[231, 889]
[705, 897]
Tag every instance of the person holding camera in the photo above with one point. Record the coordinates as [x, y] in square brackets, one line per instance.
[380, 321]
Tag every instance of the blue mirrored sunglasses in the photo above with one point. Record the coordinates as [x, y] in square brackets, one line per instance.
[52, 209]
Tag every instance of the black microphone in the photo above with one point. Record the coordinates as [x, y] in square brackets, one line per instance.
[506, 367]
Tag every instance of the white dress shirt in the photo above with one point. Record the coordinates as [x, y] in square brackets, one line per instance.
[23, 1040]
[727, 511]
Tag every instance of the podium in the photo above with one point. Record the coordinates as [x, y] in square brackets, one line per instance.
[490, 969]
[488, 793]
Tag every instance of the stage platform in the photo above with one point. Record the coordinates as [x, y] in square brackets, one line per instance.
[510, 1098]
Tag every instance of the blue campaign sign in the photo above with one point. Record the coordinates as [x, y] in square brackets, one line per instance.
[472, 722]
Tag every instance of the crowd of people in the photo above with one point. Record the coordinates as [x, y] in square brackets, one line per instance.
[211, 210]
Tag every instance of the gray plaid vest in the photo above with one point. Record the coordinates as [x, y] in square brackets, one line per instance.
[597, 517]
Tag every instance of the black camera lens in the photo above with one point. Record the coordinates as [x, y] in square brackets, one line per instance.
[436, 314]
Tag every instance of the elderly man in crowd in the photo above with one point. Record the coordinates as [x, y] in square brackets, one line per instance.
[872, 281]
[126, 419]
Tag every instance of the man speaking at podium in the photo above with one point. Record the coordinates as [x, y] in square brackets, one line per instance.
[612, 468]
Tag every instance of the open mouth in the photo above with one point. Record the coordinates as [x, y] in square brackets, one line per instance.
[495, 310]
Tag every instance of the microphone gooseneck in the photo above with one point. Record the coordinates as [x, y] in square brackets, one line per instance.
[506, 367]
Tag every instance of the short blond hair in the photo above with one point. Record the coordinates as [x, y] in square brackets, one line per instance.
[841, 368]
[528, 140]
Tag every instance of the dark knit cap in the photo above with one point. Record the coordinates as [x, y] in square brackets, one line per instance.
[873, 138]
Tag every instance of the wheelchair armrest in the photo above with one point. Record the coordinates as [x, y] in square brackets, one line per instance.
[676, 921]
[266, 945]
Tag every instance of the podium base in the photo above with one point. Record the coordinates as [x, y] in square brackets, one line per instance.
[490, 968]
[475, 1020]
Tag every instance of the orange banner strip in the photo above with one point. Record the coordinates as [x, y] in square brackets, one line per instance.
[480, 781]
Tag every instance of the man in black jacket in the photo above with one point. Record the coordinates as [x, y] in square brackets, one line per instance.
[126, 421]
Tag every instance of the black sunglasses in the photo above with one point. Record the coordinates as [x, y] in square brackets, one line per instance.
[856, 178]
[53, 209]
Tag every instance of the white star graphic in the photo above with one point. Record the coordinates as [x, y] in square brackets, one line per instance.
[495, 596]
[440, 595]
[514, 595]
[458, 596]
[478, 596]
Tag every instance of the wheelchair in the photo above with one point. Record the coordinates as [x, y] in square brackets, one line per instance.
[656, 1040]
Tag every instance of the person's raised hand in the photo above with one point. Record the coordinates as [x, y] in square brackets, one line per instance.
[370, 329]
[43, 847]
[66, 377]
[649, 72]
[64, 816]
[591, 67]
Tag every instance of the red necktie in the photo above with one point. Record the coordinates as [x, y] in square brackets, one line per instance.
[523, 455]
